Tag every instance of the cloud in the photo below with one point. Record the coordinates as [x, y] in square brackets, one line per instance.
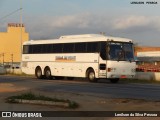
[49, 27]
[135, 27]
[1, 2]
[130, 22]
[80, 21]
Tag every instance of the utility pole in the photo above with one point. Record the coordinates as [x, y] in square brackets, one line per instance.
[12, 59]
[3, 58]
[21, 32]
[0, 59]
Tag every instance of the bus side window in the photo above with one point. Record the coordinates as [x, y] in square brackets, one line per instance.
[57, 48]
[103, 50]
[80, 47]
[68, 48]
[36, 49]
[49, 48]
[25, 49]
[92, 47]
[30, 49]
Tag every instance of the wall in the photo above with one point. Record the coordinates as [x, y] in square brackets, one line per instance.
[148, 76]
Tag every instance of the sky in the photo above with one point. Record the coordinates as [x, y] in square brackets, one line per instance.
[47, 19]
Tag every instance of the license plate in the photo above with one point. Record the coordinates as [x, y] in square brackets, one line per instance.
[123, 76]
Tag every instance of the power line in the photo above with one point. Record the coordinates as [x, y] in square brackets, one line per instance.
[10, 14]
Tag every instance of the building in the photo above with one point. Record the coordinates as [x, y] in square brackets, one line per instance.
[152, 57]
[148, 54]
[146, 49]
[148, 58]
[10, 43]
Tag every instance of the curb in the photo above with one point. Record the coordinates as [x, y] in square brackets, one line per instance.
[42, 102]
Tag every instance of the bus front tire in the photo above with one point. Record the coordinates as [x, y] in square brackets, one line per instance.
[91, 75]
[38, 73]
[47, 73]
[115, 80]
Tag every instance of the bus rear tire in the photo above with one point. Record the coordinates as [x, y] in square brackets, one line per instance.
[47, 73]
[38, 73]
[91, 75]
[115, 80]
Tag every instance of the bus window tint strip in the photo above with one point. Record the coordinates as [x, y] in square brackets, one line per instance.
[89, 47]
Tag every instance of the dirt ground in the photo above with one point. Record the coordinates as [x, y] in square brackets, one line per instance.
[86, 102]
[8, 87]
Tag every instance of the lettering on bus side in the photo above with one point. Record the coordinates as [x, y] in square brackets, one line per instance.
[65, 58]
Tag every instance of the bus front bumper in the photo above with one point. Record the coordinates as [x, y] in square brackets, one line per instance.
[120, 76]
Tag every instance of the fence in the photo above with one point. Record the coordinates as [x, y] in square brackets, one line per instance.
[2, 70]
[148, 68]
[17, 71]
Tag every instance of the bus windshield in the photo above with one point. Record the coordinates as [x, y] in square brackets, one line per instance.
[120, 51]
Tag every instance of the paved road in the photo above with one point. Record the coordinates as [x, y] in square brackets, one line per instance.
[101, 89]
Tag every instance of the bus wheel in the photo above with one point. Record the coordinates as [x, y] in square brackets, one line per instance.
[38, 73]
[70, 78]
[114, 80]
[91, 75]
[47, 73]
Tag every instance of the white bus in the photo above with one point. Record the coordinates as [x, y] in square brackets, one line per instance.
[90, 56]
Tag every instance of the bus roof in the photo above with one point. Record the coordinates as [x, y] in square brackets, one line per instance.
[79, 38]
